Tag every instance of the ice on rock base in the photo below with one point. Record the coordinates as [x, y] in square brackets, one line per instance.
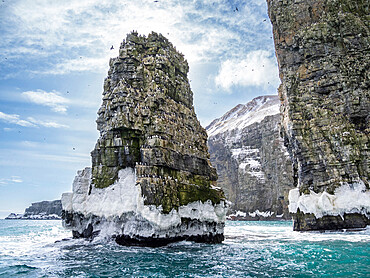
[348, 198]
[120, 210]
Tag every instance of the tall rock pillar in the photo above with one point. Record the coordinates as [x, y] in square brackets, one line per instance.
[151, 181]
[323, 52]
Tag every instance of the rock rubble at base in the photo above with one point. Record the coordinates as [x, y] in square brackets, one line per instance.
[323, 54]
[151, 178]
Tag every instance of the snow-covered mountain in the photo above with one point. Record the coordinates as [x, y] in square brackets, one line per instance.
[242, 116]
[252, 163]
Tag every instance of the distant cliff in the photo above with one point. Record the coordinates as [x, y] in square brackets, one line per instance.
[252, 163]
[45, 210]
[323, 52]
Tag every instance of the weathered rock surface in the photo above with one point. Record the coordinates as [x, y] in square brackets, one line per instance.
[323, 51]
[152, 151]
[45, 210]
[253, 166]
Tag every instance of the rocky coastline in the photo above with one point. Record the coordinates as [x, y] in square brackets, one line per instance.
[45, 210]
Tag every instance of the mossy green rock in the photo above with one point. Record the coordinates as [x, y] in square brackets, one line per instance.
[147, 122]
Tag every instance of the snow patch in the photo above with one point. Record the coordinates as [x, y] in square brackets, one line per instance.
[244, 152]
[124, 196]
[348, 198]
[261, 213]
[238, 214]
[248, 160]
[258, 174]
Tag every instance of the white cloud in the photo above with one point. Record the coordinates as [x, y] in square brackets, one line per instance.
[66, 30]
[30, 122]
[47, 123]
[54, 100]
[16, 179]
[11, 180]
[15, 119]
[258, 68]
[82, 64]
[35, 155]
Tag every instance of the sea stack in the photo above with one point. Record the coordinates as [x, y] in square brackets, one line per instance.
[323, 53]
[151, 181]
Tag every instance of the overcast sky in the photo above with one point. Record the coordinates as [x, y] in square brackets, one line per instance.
[54, 57]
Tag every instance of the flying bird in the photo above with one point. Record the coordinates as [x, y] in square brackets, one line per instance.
[112, 47]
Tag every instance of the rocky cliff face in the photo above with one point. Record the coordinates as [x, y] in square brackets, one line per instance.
[252, 163]
[151, 180]
[45, 207]
[45, 210]
[323, 53]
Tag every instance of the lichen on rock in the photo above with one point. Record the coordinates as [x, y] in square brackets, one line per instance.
[148, 127]
[323, 53]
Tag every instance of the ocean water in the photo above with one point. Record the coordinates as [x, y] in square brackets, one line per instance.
[35, 248]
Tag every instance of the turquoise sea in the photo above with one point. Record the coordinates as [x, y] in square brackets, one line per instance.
[35, 248]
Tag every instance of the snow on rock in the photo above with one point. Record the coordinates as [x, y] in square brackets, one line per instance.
[240, 153]
[124, 197]
[249, 161]
[348, 198]
[14, 216]
[261, 213]
[239, 214]
[41, 216]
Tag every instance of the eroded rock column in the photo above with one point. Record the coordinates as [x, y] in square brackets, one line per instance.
[151, 180]
[323, 53]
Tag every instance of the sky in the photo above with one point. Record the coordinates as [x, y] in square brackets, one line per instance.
[54, 58]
